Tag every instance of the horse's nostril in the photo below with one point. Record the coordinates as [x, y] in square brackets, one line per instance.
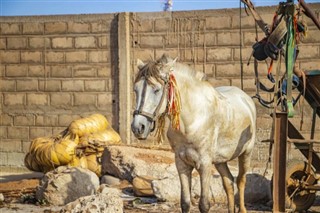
[142, 129]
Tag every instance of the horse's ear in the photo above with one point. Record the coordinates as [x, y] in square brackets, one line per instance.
[140, 63]
[172, 62]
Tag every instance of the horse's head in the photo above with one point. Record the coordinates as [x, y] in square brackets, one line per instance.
[150, 89]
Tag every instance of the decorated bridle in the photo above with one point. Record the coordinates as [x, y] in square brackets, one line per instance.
[173, 107]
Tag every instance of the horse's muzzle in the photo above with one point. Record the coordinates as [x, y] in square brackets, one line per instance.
[141, 129]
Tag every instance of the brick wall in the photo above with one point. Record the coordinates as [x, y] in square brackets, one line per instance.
[57, 68]
[53, 69]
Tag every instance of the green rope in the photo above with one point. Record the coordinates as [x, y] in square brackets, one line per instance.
[290, 58]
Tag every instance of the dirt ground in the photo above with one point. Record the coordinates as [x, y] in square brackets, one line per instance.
[19, 192]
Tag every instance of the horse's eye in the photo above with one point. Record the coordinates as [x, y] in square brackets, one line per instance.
[156, 91]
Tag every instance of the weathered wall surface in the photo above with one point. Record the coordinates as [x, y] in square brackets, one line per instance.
[56, 69]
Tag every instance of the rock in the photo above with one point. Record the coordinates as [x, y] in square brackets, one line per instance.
[129, 162]
[142, 186]
[109, 201]
[257, 189]
[1, 198]
[66, 184]
[109, 180]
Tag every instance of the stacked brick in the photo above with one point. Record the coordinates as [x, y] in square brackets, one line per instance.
[53, 70]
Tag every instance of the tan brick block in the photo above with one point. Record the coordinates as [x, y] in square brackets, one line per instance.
[210, 39]
[218, 22]
[219, 54]
[2, 70]
[6, 119]
[95, 85]
[46, 120]
[25, 146]
[144, 25]
[84, 71]
[104, 41]
[62, 42]
[55, 27]
[50, 85]
[162, 25]
[193, 55]
[36, 132]
[104, 71]
[308, 51]
[36, 71]
[78, 27]
[24, 120]
[61, 71]
[246, 53]
[16, 159]
[247, 22]
[228, 38]
[14, 99]
[15, 43]
[60, 99]
[3, 44]
[227, 70]
[81, 99]
[3, 132]
[145, 54]
[151, 41]
[101, 26]
[173, 53]
[7, 57]
[27, 85]
[249, 38]
[73, 85]
[7, 85]
[99, 56]
[85, 42]
[18, 132]
[31, 57]
[39, 43]
[76, 56]
[55, 57]
[10, 145]
[10, 28]
[105, 100]
[17, 71]
[3, 156]
[37, 99]
[310, 65]
[33, 28]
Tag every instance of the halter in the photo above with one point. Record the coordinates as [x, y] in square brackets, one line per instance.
[152, 116]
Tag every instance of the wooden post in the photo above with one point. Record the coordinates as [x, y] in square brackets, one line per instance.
[125, 88]
[280, 161]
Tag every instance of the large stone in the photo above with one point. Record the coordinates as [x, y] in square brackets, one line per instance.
[129, 162]
[108, 200]
[66, 184]
[134, 164]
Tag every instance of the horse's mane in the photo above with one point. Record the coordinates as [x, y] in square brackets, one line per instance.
[151, 69]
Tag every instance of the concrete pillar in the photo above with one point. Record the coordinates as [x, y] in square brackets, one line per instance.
[125, 87]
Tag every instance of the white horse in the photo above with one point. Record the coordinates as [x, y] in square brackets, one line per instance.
[209, 125]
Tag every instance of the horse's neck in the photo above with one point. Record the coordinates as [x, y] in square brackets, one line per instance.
[192, 90]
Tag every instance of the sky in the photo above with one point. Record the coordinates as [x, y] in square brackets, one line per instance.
[56, 7]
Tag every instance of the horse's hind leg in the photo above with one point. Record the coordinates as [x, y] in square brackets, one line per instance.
[184, 171]
[244, 163]
[227, 180]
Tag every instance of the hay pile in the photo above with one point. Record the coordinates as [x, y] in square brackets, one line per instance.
[80, 145]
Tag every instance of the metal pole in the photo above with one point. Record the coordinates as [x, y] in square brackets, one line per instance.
[279, 161]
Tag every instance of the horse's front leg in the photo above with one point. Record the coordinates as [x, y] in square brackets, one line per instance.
[205, 177]
[184, 171]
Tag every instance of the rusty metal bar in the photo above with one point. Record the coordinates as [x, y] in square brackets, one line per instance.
[280, 161]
